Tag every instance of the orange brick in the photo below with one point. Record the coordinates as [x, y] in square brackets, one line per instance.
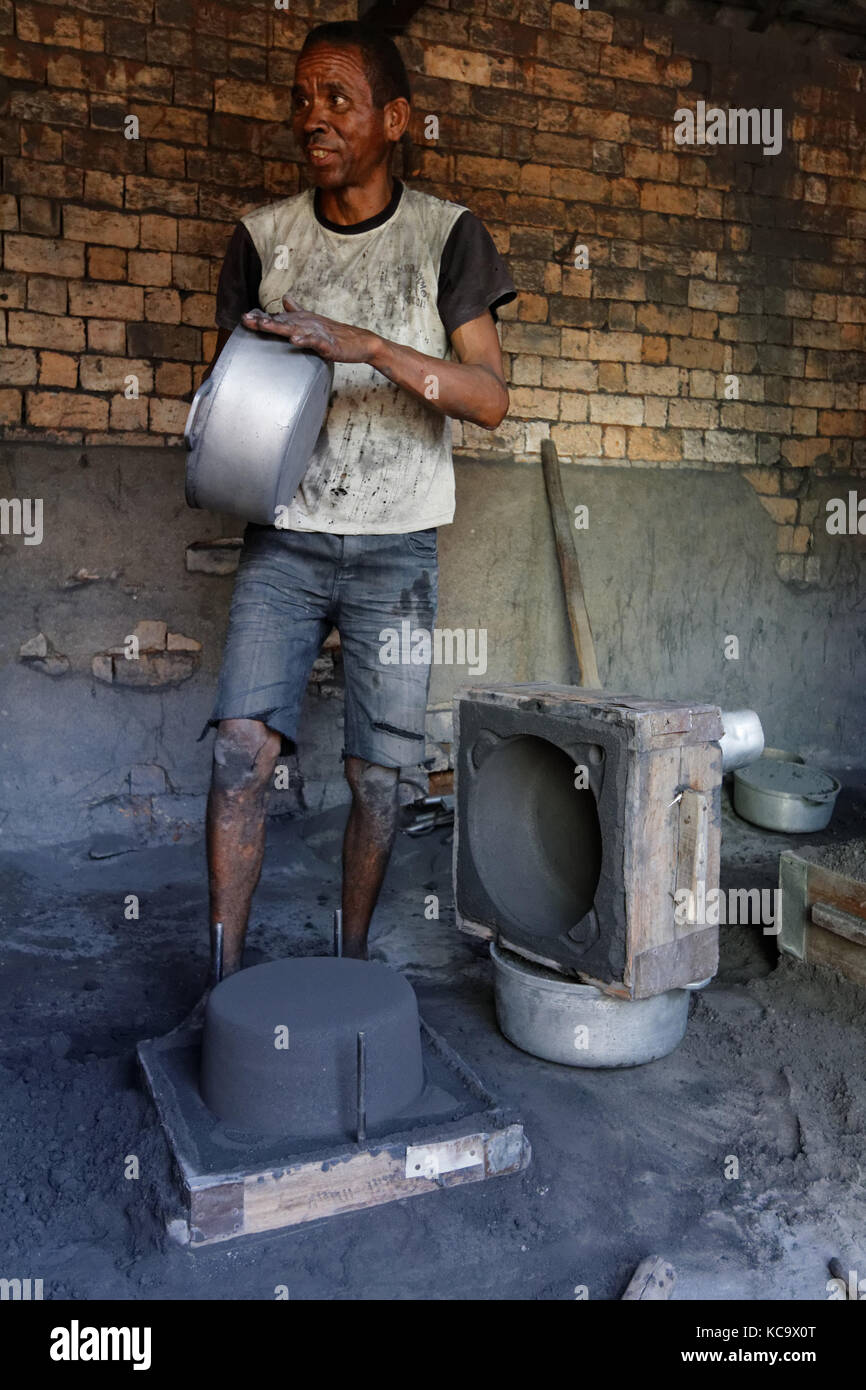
[46, 295]
[191, 273]
[782, 509]
[614, 441]
[58, 369]
[96, 300]
[66, 410]
[41, 255]
[846, 422]
[18, 367]
[166, 161]
[158, 233]
[198, 309]
[163, 306]
[104, 188]
[654, 350]
[173, 379]
[10, 407]
[106, 263]
[105, 228]
[168, 416]
[43, 24]
[149, 268]
[128, 414]
[104, 373]
[46, 330]
[106, 335]
[656, 446]
[577, 441]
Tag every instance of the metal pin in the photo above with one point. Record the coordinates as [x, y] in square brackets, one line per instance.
[362, 1088]
[338, 931]
[218, 952]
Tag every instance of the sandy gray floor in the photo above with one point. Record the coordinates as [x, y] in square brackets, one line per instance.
[625, 1163]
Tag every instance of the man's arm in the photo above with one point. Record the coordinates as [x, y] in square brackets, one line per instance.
[471, 389]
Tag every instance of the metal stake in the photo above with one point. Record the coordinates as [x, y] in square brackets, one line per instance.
[362, 1088]
[338, 931]
[218, 952]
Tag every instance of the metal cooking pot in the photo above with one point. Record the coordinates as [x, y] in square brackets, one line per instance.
[788, 796]
[253, 425]
[578, 1025]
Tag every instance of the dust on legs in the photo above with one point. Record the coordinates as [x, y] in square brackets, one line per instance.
[369, 839]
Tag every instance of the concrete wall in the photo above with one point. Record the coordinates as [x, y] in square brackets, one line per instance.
[673, 560]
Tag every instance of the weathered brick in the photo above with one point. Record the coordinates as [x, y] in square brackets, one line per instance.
[105, 301]
[104, 228]
[46, 294]
[173, 379]
[10, 407]
[36, 255]
[616, 410]
[18, 367]
[66, 410]
[168, 416]
[58, 369]
[106, 263]
[149, 268]
[105, 373]
[106, 335]
[175, 342]
[46, 330]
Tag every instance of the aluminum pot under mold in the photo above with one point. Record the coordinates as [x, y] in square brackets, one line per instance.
[253, 425]
[556, 1018]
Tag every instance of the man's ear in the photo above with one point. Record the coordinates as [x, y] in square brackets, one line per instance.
[397, 113]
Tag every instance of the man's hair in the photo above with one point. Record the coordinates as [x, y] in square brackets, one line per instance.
[385, 69]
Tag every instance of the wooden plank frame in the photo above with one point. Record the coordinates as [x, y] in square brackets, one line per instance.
[820, 911]
[251, 1200]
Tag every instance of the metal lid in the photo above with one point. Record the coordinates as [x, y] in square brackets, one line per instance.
[776, 777]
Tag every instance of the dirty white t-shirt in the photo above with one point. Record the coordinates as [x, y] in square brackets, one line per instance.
[413, 274]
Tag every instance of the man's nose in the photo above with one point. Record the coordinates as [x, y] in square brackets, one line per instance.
[314, 119]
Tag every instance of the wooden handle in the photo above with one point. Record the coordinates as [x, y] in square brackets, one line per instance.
[566, 549]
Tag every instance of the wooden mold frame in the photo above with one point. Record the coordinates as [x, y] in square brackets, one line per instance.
[340, 1178]
[672, 831]
[822, 916]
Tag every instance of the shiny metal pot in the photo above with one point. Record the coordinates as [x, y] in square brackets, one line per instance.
[788, 796]
[253, 425]
[554, 1017]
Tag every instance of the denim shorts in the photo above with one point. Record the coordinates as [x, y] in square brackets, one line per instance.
[291, 588]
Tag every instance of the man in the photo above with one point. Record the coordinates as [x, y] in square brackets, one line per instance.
[388, 284]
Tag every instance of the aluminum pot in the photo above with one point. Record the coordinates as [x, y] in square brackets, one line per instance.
[743, 739]
[253, 425]
[560, 1020]
[781, 795]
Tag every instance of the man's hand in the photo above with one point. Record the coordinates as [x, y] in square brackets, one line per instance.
[335, 342]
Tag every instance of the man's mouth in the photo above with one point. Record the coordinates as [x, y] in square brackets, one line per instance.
[317, 154]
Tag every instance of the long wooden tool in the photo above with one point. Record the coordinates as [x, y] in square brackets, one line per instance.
[566, 549]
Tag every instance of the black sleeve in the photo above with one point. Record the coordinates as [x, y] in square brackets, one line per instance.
[240, 277]
[472, 274]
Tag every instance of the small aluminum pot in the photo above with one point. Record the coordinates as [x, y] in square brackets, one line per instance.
[788, 796]
[560, 1020]
[253, 425]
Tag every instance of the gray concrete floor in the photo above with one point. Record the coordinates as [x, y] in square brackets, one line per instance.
[625, 1163]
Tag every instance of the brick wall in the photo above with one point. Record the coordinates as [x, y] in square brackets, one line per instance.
[709, 269]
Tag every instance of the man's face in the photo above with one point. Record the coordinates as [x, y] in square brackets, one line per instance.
[333, 113]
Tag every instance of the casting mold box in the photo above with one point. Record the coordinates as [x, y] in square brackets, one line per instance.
[579, 815]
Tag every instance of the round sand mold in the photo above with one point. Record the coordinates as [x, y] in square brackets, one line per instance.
[279, 1048]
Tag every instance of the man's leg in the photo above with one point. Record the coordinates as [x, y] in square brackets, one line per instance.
[245, 754]
[367, 845]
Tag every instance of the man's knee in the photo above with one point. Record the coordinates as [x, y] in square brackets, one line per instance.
[374, 787]
[245, 754]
